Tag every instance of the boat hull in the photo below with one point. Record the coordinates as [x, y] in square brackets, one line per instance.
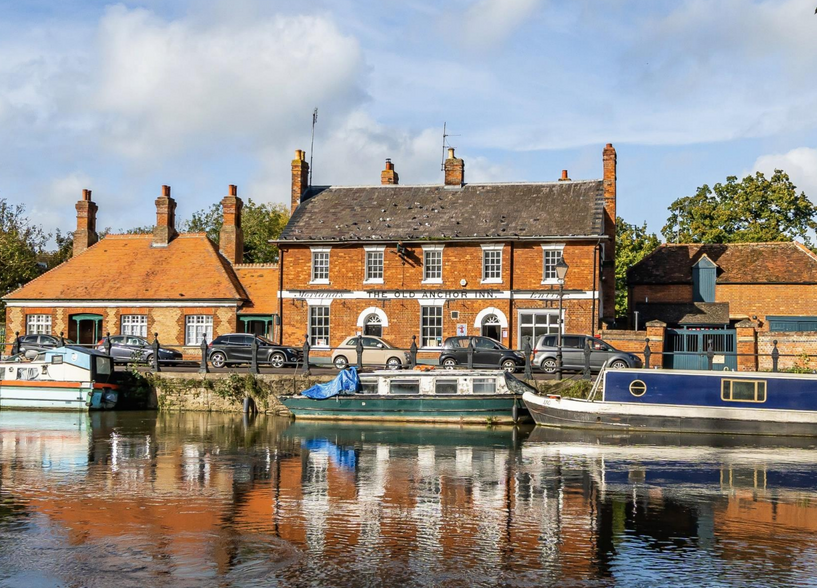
[56, 396]
[493, 409]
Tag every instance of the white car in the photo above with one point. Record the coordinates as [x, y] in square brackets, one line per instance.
[376, 352]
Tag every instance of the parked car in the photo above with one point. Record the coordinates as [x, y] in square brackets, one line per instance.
[39, 343]
[546, 350]
[376, 352]
[487, 354]
[132, 348]
[237, 348]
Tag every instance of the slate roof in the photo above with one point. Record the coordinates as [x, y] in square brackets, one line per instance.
[684, 314]
[126, 267]
[474, 211]
[738, 263]
[260, 281]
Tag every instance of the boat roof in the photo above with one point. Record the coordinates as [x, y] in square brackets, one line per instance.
[430, 373]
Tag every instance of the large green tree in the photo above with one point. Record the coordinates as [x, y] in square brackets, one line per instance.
[633, 243]
[21, 244]
[260, 222]
[755, 209]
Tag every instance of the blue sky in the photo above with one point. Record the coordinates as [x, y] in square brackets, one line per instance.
[122, 98]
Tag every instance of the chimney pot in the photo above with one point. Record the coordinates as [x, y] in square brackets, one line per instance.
[450, 153]
[86, 195]
[166, 191]
[233, 190]
[564, 177]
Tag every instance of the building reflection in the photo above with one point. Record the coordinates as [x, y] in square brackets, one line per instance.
[209, 495]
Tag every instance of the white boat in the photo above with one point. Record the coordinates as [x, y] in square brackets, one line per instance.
[64, 378]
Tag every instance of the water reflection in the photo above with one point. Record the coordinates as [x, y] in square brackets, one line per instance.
[139, 499]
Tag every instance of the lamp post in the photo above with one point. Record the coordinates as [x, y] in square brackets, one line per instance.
[561, 273]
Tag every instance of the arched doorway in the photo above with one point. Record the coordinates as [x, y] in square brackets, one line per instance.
[373, 326]
[492, 327]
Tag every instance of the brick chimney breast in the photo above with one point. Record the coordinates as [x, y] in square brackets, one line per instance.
[165, 229]
[609, 159]
[389, 176]
[300, 178]
[86, 234]
[231, 237]
[454, 170]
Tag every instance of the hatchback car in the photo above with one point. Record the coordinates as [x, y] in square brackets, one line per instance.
[376, 352]
[487, 354]
[237, 348]
[546, 351]
[39, 343]
[135, 349]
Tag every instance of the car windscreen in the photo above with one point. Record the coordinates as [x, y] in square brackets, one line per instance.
[265, 341]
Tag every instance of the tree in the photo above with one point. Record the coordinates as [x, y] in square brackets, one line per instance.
[20, 245]
[261, 223]
[633, 243]
[756, 209]
[63, 252]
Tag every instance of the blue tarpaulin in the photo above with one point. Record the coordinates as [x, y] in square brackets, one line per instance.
[343, 457]
[346, 382]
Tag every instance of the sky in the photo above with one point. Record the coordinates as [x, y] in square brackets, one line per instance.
[198, 94]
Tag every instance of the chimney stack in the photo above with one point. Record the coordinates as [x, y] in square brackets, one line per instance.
[388, 175]
[564, 177]
[86, 234]
[608, 263]
[300, 178]
[231, 238]
[454, 170]
[165, 228]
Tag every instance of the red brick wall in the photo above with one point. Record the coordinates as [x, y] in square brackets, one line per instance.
[796, 349]
[768, 299]
[669, 293]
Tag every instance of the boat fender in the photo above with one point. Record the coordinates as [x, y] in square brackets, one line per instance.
[515, 412]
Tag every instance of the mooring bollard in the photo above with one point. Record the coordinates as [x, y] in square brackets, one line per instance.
[647, 353]
[107, 343]
[203, 369]
[587, 352]
[559, 362]
[359, 351]
[775, 355]
[710, 355]
[470, 354]
[528, 371]
[413, 352]
[155, 358]
[306, 354]
[62, 338]
[254, 364]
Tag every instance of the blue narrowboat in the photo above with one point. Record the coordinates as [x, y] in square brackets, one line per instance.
[749, 403]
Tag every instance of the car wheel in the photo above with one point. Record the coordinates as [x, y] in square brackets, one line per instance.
[449, 363]
[618, 364]
[509, 365]
[549, 365]
[341, 362]
[218, 359]
[394, 363]
[149, 359]
[277, 360]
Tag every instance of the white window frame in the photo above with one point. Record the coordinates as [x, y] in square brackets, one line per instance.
[197, 325]
[548, 327]
[374, 252]
[432, 249]
[492, 249]
[432, 304]
[133, 324]
[315, 252]
[38, 324]
[328, 326]
[558, 247]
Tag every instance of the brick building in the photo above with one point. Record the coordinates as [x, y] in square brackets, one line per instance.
[434, 261]
[178, 285]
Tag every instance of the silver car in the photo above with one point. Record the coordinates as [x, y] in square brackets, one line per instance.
[546, 350]
[376, 352]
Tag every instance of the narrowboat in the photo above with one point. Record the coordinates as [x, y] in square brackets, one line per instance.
[452, 396]
[63, 378]
[741, 403]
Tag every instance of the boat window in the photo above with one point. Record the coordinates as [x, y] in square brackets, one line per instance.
[637, 388]
[404, 387]
[56, 359]
[484, 385]
[103, 365]
[743, 390]
[368, 388]
[447, 386]
[27, 373]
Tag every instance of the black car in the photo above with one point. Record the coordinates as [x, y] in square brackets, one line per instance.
[39, 343]
[131, 348]
[487, 354]
[237, 348]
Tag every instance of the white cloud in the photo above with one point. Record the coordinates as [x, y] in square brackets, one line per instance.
[486, 23]
[800, 164]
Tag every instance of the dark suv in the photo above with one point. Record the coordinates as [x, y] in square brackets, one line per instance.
[39, 343]
[487, 354]
[546, 350]
[132, 348]
[237, 348]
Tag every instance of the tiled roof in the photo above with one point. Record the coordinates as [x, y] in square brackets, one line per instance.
[260, 281]
[126, 267]
[688, 313]
[394, 212]
[738, 263]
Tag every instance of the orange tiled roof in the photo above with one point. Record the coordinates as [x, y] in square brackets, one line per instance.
[260, 281]
[126, 267]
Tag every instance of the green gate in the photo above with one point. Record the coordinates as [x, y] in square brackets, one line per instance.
[686, 349]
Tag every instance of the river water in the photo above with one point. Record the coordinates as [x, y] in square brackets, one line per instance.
[176, 500]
